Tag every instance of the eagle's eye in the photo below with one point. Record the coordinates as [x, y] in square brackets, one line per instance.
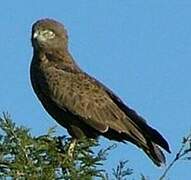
[48, 34]
[44, 35]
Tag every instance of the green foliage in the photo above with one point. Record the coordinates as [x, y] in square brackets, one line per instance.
[121, 171]
[23, 156]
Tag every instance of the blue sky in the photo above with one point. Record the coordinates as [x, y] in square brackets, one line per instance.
[140, 49]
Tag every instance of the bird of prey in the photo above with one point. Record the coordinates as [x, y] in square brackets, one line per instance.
[79, 102]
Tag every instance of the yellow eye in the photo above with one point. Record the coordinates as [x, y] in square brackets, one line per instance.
[44, 35]
[48, 34]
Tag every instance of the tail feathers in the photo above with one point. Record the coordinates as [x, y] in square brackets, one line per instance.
[155, 154]
[147, 139]
[149, 146]
[156, 137]
[150, 132]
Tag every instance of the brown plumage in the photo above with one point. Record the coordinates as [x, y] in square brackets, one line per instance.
[80, 103]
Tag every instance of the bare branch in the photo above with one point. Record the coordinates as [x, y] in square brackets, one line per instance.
[184, 150]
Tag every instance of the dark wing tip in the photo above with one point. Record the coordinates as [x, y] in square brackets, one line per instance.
[159, 139]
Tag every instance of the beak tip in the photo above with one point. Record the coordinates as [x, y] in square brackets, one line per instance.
[35, 35]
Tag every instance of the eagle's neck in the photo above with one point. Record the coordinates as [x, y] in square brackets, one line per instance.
[61, 59]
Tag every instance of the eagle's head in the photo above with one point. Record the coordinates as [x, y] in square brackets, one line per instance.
[48, 34]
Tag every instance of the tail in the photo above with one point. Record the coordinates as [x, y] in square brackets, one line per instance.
[148, 139]
[155, 154]
[145, 137]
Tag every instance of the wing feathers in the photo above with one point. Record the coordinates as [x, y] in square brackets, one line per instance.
[99, 108]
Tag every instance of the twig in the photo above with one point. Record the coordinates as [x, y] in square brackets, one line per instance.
[178, 156]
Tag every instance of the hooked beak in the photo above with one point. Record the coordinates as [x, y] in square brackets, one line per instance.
[36, 34]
